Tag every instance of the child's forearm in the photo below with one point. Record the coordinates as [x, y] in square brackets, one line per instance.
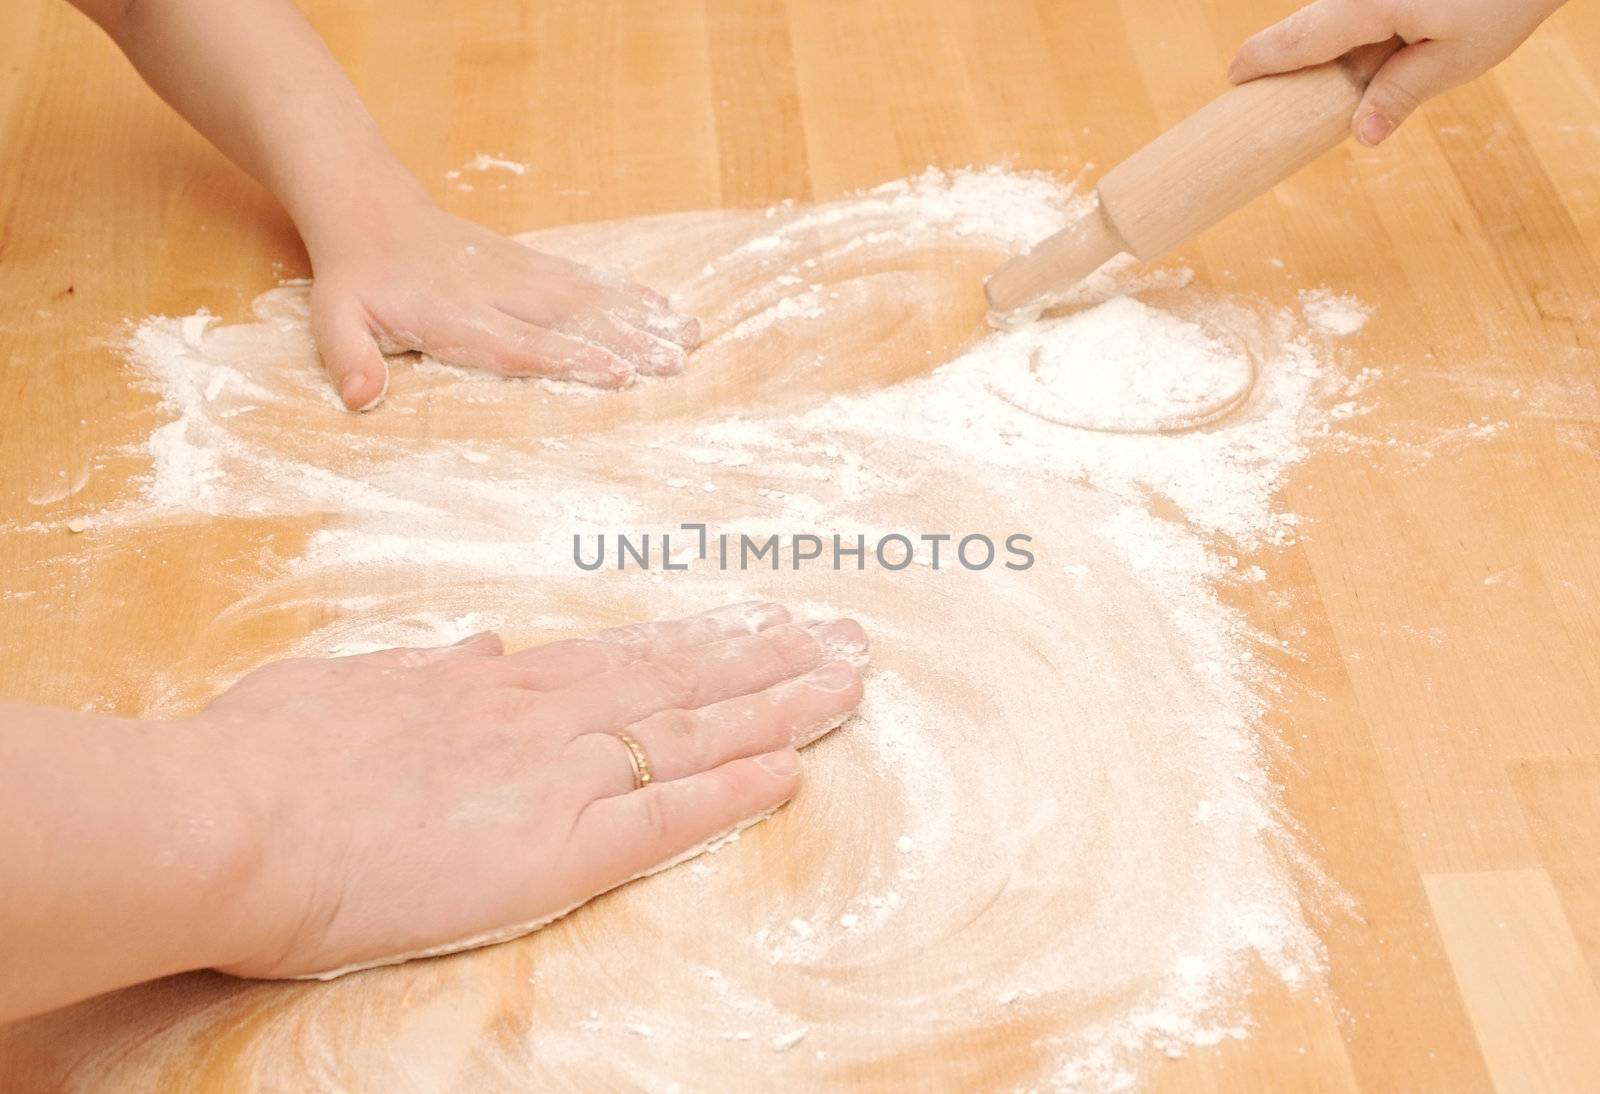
[256, 80]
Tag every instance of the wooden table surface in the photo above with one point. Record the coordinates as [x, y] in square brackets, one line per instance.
[1444, 715]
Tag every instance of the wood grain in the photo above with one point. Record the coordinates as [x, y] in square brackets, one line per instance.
[1441, 722]
[1532, 1001]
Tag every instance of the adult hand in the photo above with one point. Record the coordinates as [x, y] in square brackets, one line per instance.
[1449, 42]
[411, 799]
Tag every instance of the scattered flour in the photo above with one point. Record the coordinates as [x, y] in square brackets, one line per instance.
[1334, 313]
[1093, 847]
[485, 162]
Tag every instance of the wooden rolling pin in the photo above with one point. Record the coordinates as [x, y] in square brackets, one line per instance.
[1235, 148]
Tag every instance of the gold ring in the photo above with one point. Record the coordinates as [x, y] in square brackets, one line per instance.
[641, 763]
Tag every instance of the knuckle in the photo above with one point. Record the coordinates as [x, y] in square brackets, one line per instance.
[682, 725]
[654, 822]
[1291, 34]
[565, 302]
[629, 342]
[515, 357]
[633, 638]
[678, 733]
[676, 680]
[409, 658]
[589, 360]
[583, 655]
[793, 648]
[502, 705]
[1395, 99]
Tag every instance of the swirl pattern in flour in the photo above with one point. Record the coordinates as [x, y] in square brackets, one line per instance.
[1049, 838]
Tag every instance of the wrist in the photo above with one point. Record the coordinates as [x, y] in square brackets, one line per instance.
[356, 207]
[221, 835]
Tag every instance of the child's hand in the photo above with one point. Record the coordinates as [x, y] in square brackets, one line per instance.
[394, 272]
[410, 276]
[1450, 43]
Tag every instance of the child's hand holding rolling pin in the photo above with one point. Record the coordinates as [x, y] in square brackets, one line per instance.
[1448, 42]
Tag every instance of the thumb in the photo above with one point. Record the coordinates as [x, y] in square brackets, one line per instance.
[1408, 79]
[350, 354]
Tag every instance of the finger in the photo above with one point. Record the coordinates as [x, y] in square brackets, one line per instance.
[697, 677]
[651, 355]
[645, 308]
[616, 839]
[674, 326]
[681, 743]
[1409, 78]
[561, 664]
[350, 354]
[1316, 33]
[636, 304]
[497, 342]
[482, 644]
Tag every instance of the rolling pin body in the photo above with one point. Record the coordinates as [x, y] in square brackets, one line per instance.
[1235, 148]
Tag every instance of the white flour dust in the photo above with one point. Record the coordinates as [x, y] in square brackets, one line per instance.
[1054, 812]
[481, 163]
[1123, 367]
[1334, 313]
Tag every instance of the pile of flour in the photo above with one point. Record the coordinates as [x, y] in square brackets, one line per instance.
[1124, 367]
[1054, 813]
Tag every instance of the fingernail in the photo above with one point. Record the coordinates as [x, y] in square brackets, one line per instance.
[840, 639]
[353, 383]
[350, 389]
[1373, 129]
[782, 764]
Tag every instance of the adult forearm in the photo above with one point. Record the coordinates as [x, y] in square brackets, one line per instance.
[257, 81]
[119, 850]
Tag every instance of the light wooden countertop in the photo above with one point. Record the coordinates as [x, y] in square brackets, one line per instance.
[1445, 715]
